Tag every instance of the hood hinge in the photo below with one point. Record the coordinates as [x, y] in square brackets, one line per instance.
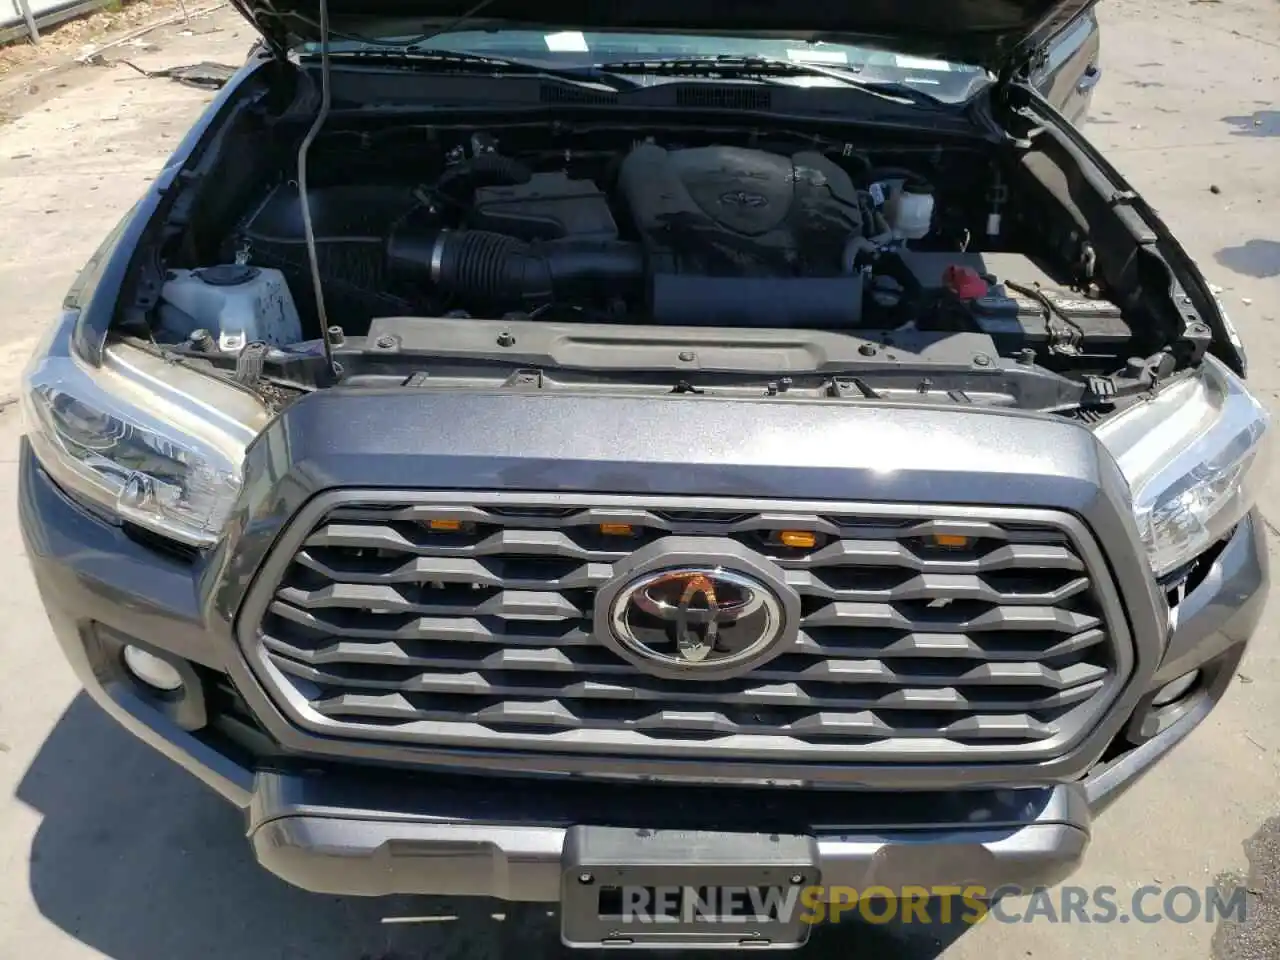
[1014, 79]
[1037, 60]
[268, 23]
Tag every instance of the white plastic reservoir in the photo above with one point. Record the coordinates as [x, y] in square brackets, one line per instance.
[909, 210]
[236, 303]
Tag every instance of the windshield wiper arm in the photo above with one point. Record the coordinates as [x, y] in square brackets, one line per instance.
[612, 75]
[738, 66]
[477, 63]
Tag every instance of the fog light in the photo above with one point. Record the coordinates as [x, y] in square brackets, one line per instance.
[151, 670]
[1173, 690]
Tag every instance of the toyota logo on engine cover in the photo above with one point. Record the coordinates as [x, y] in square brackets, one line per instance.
[741, 198]
[692, 618]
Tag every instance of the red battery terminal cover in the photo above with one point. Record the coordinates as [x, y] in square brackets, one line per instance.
[965, 282]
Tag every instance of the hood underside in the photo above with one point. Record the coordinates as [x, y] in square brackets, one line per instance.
[997, 34]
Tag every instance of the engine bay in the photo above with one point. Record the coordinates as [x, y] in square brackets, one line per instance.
[651, 237]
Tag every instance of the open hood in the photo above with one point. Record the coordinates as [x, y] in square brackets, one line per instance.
[996, 34]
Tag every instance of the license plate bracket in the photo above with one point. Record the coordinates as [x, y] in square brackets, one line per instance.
[677, 889]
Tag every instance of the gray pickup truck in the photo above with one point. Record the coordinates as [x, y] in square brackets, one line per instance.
[756, 446]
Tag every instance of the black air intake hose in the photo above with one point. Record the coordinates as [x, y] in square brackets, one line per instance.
[458, 182]
[498, 270]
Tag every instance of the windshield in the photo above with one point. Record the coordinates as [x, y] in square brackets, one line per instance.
[943, 80]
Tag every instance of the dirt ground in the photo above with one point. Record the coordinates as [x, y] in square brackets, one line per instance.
[108, 851]
[81, 144]
[74, 37]
[31, 74]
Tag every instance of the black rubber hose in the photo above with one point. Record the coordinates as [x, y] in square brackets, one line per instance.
[498, 270]
[492, 267]
[486, 170]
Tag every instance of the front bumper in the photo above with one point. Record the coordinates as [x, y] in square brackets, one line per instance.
[376, 837]
[339, 827]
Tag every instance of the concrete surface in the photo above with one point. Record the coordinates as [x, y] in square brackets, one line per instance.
[107, 851]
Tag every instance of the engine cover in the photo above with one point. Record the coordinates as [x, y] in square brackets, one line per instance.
[550, 206]
[731, 212]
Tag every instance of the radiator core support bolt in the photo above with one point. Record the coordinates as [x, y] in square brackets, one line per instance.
[203, 341]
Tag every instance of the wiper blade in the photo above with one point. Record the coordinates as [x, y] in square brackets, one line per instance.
[612, 75]
[764, 67]
[479, 64]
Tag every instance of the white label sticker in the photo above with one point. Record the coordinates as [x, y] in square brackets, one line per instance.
[877, 194]
[571, 41]
[806, 55]
[1069, 305]
[920, 63]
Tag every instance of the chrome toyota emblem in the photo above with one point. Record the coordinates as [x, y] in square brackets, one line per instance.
[693, 618]
[742, 198]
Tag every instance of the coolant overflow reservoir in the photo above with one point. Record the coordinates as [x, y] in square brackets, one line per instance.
[237, 303]
[910, 210]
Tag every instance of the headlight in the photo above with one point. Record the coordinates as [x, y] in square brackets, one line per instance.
[1194, 456]
[154, 443]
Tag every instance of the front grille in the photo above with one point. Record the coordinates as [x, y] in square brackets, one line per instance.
[927, 634]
